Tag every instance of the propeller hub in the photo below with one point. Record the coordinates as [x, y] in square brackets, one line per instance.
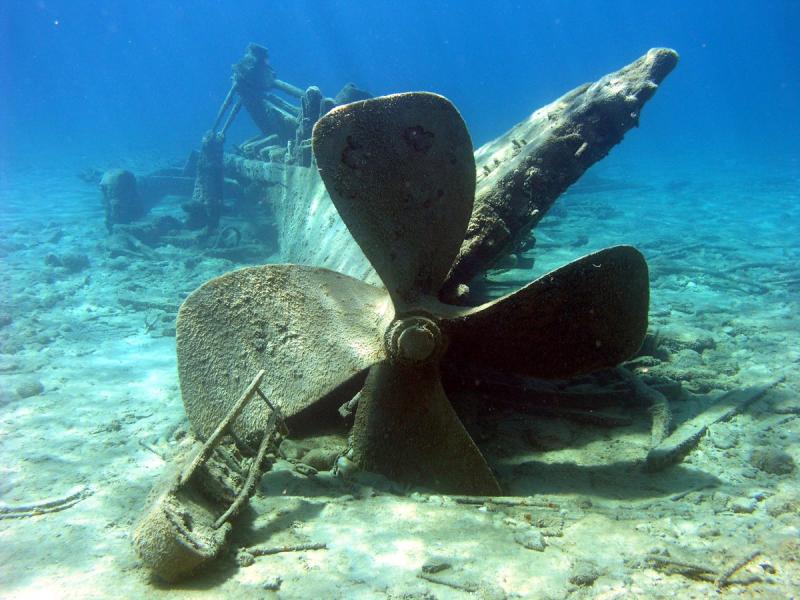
[413, 340]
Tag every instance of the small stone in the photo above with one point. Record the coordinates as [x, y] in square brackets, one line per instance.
[118, 263]
[687, 358]
[50, 300]
[709, 531]
[782, 504]
[30, 388]
[345, 467]
[743, 505]
[75, 262]
[322, 459]
[584, 573]
[55, 237]
[244, 558]
[272, 584]
[435, 564]
[703, 343]
[772, 460]
[723, 439]
[51, 260]
[292, 449]
[531, 539]
[5, 396]
[304, 469]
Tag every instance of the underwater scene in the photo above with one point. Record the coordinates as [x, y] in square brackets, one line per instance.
[407, 300]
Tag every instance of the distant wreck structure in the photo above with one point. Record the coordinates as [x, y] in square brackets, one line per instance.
[520, 174]
[285, 128]
[524, 171]
[214, 183]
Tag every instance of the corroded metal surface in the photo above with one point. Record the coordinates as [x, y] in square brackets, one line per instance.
[409, 405]
[519, 175]
[311, 330]
[587, 315]
[400, 171]
[524, 171]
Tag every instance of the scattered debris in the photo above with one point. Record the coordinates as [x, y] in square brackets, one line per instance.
[272, 584]
[584, 573]
[151, 448]
[185, 524]
[270, 550]
[702, 572]
[773, 461]
[675, 447]
[657, 403]
[530, 538]
[21, 511]
[435, 565]
[670, 566]
[506, 501]
[29, 388]
[451, 582]
[725, 578]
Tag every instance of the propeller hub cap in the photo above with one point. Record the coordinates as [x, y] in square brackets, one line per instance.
[413, 340]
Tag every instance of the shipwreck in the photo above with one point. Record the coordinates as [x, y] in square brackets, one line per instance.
[383, 216]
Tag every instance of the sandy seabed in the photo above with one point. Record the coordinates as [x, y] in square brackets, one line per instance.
[90, 408]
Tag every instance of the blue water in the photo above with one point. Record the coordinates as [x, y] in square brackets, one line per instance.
[85, 80]
[708, 188]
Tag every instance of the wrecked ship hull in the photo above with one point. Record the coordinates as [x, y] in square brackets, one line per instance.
[520, 175]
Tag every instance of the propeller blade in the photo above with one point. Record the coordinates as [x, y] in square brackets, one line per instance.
[311, 330]
[406, 429]
[401, 173]
[589, 314]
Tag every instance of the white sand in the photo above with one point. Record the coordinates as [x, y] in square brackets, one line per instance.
[110, 388]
